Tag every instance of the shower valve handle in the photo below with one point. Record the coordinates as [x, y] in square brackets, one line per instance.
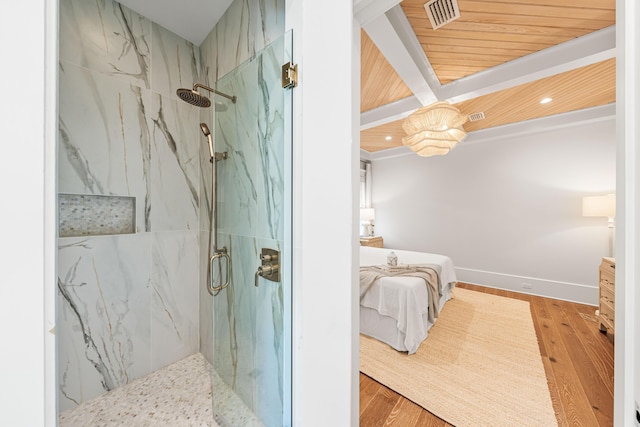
[268, 257]
[269, 269]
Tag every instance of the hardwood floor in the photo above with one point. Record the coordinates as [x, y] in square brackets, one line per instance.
[577, 358]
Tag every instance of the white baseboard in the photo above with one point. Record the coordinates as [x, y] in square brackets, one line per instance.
[572, 292]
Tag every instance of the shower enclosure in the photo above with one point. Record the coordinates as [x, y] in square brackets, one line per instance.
[251, 342]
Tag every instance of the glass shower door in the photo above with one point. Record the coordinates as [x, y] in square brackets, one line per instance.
[251, 379]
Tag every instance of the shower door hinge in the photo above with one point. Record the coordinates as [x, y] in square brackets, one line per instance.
[289, 75]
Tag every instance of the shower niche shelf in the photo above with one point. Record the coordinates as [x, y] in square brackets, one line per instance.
[94, 215]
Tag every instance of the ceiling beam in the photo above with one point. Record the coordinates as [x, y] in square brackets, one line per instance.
[393, 36]
[365, 11]
[389, 112]
[582, 51]
[579, 52]
[407, 36]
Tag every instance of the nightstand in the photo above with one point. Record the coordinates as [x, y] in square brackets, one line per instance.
[606, 301]
[375, 241]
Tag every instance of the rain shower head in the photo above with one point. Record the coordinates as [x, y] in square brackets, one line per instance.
[193, 97]
[205, 129]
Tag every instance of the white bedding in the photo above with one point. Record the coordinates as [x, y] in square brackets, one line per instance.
[402, 301]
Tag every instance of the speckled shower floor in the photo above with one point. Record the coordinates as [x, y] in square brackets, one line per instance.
[177, 395]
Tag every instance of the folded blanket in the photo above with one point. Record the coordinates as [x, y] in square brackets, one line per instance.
[430, 273]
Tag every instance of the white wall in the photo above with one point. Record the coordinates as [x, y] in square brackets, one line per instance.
[27, 185]
[325, 160]
[627, 345]
[506, 211]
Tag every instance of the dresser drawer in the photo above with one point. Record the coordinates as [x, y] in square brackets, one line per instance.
[607, 281]
[607, 297]
[608, 265]
[607, 303]
[607, 316]
[375, 241]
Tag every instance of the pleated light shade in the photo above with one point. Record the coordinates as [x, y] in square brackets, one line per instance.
[434, 130]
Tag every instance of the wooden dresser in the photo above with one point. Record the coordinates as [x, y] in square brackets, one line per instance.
[375, 241]
[607, 295]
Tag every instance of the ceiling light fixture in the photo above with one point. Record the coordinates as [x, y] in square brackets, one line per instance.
[545, 100]
[388, 138]
[434, 130]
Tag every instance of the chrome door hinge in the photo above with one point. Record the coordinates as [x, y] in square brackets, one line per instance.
[289, 75]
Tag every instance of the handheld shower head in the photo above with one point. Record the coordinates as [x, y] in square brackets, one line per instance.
[205, 129]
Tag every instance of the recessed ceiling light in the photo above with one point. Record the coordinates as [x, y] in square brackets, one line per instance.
[388, 138]
[545, 100]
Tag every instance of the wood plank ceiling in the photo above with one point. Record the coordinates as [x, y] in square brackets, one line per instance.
[488, 34]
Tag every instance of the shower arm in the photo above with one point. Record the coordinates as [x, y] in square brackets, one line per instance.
[210, 89]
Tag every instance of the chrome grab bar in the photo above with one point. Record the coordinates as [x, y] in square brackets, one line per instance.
[211, 287]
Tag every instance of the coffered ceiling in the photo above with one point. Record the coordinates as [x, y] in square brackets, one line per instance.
[499, 58]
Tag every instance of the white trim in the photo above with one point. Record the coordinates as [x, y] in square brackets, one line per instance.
[354, 302]
[389, 112]
[50, 211]
[325, 305]
[365, 155]
[27, 359]
[626, 371]
[407, 36]
[365, 11]
[543, 124]
[573, 292]
[388, 40]
[391, 153]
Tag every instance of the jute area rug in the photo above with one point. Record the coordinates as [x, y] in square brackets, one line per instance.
[479, 366]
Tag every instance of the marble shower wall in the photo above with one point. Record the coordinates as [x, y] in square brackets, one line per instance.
[127, 303]
[242, 56]
[246, 28]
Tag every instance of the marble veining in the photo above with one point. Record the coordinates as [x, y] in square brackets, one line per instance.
[107, 37]
[175, 165]
[246, 28]
[79, 164]
[248, 338]
[127, 304]
[271, 139]
[175, 62]
[103, 315]
[104, 144]
[174, 294]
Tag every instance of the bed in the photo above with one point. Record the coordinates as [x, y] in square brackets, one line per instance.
[395, 310]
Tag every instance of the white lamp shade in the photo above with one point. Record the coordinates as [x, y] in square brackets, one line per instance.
[599, 205]
[367, 214]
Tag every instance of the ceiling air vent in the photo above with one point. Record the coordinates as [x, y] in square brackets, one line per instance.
[442, 12]
[476, 116]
